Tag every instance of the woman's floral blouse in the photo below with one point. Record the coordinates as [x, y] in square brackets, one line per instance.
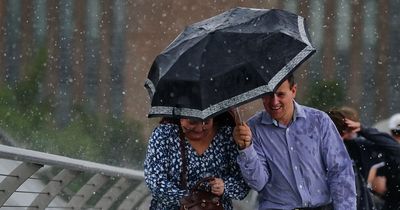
[163, 163]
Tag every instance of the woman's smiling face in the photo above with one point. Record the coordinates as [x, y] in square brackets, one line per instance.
[196, 129]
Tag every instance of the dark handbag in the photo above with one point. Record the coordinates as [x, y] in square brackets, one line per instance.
[200, 198]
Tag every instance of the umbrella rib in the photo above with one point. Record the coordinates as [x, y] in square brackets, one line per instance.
[302, 30]
[181, 53]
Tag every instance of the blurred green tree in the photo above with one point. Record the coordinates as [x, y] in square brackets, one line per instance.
[324, 94]
[97, 137]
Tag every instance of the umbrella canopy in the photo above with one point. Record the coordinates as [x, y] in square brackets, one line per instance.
[225, 61]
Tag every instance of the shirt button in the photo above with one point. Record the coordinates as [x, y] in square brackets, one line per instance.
[295, 167]
[301, 186]
[291, 148]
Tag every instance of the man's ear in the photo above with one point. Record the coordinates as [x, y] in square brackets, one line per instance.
[294, 90]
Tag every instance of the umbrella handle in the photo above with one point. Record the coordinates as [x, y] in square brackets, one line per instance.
[237, 116]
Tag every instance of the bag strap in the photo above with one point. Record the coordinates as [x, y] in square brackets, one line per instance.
[183, 175]
[184, 159]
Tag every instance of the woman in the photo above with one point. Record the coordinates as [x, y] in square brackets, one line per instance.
[210, 152]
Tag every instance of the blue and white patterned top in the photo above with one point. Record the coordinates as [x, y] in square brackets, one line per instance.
[162, 167]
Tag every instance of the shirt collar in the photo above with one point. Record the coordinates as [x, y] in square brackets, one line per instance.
[298, 112]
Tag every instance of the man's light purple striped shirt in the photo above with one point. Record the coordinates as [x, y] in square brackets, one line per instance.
[303, 165]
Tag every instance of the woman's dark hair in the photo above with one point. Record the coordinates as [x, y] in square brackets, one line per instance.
[172, 120]
[349, 113]
[223, 119]
[338, 119]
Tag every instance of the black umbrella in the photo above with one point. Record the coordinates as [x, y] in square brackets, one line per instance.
[225, 61]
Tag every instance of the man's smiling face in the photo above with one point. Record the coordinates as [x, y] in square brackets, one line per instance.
[280, 103]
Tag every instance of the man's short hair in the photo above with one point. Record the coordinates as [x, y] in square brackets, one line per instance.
[291, 81]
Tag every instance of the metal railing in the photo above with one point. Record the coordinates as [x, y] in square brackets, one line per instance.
[35, 180]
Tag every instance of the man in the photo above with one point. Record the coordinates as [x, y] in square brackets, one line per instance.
[294, 156]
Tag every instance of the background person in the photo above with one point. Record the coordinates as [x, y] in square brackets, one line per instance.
[361, 150]
[376, 178]
[387, 179]
[356, 138]
[210, 151]
[294, 156]
[383, 177]
[394, 126]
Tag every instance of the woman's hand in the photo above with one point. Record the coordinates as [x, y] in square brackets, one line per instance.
[354, 126]
[217, 186]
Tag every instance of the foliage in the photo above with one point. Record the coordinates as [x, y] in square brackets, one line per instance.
[27, 89]
[28, 118]
[324, 95]
[119, 141]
